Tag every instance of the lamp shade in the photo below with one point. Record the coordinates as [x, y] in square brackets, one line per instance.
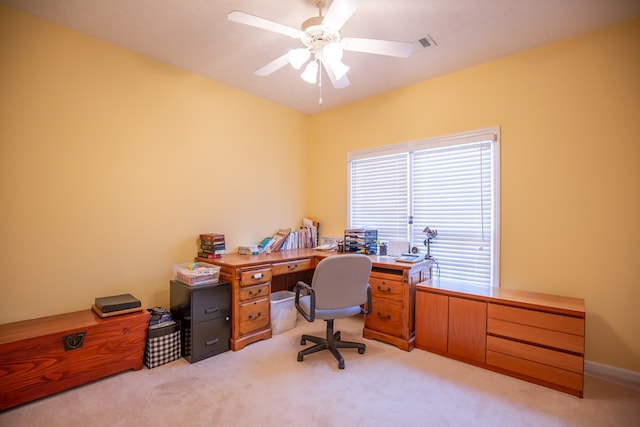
[332, 52]
[310, 73]
[299, 56]
[339, 69]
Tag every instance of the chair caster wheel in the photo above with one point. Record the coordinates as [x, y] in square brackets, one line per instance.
[361, 350]
[341, 364]
[303, 341]
[300, 357]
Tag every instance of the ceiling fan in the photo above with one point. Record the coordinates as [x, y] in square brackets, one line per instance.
[323, 44]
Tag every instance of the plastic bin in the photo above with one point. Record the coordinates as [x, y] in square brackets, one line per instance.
[283, 311]
[196, 273]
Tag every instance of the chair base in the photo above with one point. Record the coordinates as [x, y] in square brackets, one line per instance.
[331, 342]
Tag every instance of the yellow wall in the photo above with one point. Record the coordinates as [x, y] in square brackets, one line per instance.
[112, 163]
[570, 160]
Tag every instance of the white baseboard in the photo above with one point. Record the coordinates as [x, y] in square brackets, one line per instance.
[613, 374]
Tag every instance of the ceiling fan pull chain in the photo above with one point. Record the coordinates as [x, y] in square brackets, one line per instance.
[320, 84]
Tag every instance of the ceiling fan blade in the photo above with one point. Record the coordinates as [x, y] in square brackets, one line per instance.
[378, 47]
[265, 24]
[337, 83]
[339, 13]
[273, 66]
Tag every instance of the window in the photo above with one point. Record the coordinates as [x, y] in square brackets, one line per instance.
[450, 184]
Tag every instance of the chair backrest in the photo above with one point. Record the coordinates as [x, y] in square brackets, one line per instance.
[341, 281]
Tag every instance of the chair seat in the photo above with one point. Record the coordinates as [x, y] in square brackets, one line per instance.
[338, 313]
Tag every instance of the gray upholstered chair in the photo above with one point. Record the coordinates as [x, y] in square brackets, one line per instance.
[339, 287]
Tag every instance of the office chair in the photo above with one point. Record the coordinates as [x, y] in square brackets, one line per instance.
[339, 286]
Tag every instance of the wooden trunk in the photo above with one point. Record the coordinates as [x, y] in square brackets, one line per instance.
[35, 363]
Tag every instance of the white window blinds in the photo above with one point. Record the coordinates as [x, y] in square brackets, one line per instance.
[448, 184]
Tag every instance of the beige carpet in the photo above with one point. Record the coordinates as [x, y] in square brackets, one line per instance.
[263, 385]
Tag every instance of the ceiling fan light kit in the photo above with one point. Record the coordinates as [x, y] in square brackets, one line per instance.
[324, 47]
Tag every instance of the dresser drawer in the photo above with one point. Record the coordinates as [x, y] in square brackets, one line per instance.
[555, 322]
[255, 277]
[533, 353]
[532, 334]
[253, 316]
[550, 374]
[251, 292]
[291, 266]
[385, 317]
[385, 288]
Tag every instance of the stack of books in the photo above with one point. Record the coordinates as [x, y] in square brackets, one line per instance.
[212, 245]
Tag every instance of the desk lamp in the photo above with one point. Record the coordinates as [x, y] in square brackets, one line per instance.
[431, 234]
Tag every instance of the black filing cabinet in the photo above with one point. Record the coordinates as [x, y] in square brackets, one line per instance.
[204, 312]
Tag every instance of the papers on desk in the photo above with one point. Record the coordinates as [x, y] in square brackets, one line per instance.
[326, 247]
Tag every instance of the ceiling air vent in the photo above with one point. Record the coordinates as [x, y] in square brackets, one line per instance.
[424, 43]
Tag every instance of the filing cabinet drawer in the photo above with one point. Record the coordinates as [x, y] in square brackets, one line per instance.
[210, 303]
[253, 316]
[556, 322]
[210, 338]
[385, 288]
[251, 292]
[291, 266]
[386, 317]
[255, 277]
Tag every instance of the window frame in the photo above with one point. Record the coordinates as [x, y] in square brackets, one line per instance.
[474, 136]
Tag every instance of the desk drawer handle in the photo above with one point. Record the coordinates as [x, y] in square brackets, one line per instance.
[252, 317]
[212, 342]
[387, 317]
[253, 294]
[292, 267]
[211, 310]
[257, 276]
[384, 290]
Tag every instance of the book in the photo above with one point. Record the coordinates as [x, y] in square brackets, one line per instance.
[117, 302]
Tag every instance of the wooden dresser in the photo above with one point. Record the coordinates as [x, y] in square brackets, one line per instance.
[43, 356]
[532, 336]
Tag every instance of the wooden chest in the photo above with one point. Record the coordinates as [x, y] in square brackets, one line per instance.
[43, 356]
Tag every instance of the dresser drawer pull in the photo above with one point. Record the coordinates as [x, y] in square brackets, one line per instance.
[253, 294]
[384, 290]
[212, 342]
[387, 317]
[252, 317]
[257, 276]
[211, 310]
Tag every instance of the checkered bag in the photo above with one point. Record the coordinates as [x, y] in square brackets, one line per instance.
[163, 345]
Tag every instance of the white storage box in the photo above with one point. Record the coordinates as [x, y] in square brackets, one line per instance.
[196, 273]
[283, 311]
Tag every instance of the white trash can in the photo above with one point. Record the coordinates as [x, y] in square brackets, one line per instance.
[283, 311]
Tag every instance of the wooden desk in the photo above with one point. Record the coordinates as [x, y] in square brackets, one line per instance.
[254, 277]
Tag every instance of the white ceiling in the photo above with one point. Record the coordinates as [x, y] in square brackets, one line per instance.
[195, 35]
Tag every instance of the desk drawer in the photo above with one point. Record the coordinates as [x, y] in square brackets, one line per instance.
[255, 277]
[291, 266]
[385, 288]
[386, 317]
[253, 316]
[248, 293]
